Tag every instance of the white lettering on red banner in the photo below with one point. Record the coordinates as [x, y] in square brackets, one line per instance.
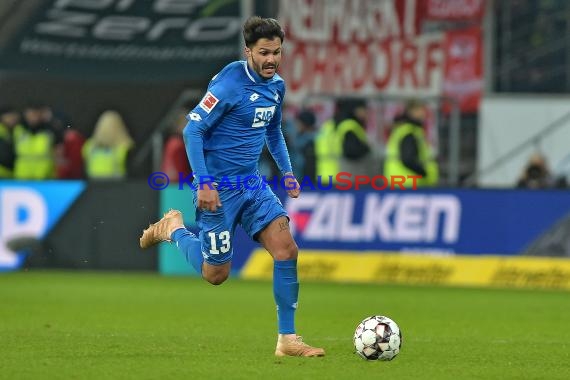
[348, 20]
[454, 9]
[361, 47]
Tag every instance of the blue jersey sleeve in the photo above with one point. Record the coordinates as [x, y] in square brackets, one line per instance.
[276, 142]
[219, 99]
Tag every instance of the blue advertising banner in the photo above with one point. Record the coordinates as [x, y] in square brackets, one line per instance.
[30, 210]
[461, 221]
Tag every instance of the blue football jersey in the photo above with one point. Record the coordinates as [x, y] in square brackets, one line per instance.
[230, 125]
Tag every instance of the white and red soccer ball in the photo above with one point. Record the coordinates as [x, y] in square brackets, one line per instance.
[377, 338]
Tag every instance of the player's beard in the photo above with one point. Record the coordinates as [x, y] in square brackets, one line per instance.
[258, 68]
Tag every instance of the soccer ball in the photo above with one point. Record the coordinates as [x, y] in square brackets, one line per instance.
[377, 338]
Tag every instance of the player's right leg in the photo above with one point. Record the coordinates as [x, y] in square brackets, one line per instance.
[171, 228]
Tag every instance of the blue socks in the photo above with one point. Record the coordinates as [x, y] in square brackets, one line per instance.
[286, 293]
[285, 284]
[189, 245]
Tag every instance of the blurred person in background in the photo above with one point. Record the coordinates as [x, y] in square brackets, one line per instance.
[174, 158]
[36, 145]
[328, 150]
[9, 118]
[536, 174]
[106, 153]
[71, 164]
[304, 145]
[356, 156]
[408, 152]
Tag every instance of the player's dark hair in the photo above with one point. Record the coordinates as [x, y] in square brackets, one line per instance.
[257, 27]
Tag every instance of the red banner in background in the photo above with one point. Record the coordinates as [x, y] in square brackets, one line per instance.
[370, 47]
[359, 47]
[348, 21]
[463, 79]
[453, 10]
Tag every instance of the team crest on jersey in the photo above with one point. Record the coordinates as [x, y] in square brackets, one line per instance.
[208, 102]
[263, 116]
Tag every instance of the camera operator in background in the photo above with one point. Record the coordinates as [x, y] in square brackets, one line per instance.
[536, 174]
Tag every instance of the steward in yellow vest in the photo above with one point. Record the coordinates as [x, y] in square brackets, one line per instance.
[327, 152]
[34, 145]
[9, 118]
[408, 152]
[357, 155]
[106, 152]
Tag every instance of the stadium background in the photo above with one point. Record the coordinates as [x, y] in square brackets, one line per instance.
[475, 271]
[466, 61]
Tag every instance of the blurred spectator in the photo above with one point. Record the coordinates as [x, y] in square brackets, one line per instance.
[174, 157]
[71, 165]
[327, 149]
[356, 152]
[536, 174]
[304, 145]
[106, 153]
[9, 118]
[35, 144]
[408, 152]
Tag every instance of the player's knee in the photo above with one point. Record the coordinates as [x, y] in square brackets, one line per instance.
[217, 278]
[289, 252]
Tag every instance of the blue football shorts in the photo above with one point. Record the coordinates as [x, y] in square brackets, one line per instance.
[253, 207]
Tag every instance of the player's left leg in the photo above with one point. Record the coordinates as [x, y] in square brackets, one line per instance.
[277, 240]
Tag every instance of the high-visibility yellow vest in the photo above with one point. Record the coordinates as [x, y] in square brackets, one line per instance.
[105, 162]
[327, 151]
[34, 154]
[393, 165]
[5, 172]
[351, 125]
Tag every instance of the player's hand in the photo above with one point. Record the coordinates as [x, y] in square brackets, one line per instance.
[291, 185]
[208, 198]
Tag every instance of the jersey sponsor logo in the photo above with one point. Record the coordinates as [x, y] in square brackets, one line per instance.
[208, 102]
[263, 116]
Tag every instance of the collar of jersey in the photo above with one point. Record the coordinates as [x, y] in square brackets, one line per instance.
[255, 77]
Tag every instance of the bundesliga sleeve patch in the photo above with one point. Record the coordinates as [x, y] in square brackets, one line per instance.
[208, 102]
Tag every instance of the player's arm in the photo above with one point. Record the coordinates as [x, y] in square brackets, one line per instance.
[278, 149]
[206, 114]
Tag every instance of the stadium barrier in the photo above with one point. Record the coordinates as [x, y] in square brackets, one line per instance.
[398, 268]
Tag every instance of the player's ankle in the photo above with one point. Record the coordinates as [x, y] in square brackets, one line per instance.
[286, 336]
[173, 230]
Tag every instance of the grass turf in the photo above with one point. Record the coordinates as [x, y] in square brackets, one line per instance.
[80, 325]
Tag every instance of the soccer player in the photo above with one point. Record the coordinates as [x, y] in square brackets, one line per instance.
[224, 137]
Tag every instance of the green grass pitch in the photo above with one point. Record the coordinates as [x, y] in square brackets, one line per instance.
[84, 325]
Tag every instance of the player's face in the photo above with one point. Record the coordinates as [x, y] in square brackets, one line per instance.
[265, 56]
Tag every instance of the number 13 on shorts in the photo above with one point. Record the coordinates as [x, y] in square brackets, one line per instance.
[223, 238]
